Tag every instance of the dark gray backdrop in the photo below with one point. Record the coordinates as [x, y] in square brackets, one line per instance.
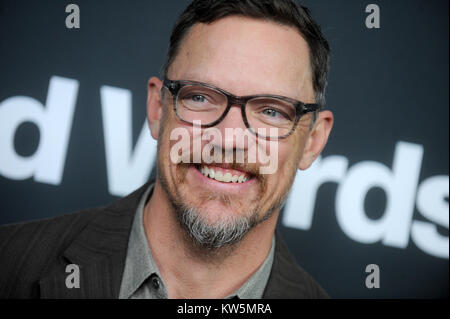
[387, 85]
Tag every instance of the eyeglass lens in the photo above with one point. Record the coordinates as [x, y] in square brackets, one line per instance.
[196, 102]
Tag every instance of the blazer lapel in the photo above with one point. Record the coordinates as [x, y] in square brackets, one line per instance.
[99, 251]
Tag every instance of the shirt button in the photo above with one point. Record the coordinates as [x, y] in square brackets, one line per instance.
[155, 282]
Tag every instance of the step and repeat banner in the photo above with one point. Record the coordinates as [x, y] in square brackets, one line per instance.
[369, 219]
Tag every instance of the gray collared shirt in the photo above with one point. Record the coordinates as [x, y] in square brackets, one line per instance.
[142, 280]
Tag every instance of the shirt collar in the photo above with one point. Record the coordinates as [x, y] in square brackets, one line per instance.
[139, 263]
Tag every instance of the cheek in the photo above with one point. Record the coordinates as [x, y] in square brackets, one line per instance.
[290, 153]
[164, 145]
[277, 185]
[173, 154]
[288, 160]
[169, 126]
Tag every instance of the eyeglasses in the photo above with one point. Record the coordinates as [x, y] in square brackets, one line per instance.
[196, 101]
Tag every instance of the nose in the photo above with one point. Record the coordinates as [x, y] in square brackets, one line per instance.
[233, 130]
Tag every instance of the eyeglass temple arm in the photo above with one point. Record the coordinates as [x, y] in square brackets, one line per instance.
[171, 85]
[314, 108]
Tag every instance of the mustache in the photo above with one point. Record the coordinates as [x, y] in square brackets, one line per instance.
[215, 155]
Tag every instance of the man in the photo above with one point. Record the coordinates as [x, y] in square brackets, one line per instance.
[204, 228]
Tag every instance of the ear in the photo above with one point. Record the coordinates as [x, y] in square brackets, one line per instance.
[154, 105]
[317, 139]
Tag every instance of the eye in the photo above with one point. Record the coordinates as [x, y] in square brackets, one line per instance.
[271, 113]
[198, 98]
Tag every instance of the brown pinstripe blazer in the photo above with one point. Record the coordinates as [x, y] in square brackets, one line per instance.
[34, 256]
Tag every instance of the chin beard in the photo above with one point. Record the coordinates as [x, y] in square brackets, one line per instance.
[220, 236]
[216, 235]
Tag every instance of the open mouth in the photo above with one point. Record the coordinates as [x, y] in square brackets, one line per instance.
[223, 175]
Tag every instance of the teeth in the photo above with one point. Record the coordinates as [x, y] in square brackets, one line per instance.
[226, 178]
[218, 176]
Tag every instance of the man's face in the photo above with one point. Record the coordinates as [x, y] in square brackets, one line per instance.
[244, 57]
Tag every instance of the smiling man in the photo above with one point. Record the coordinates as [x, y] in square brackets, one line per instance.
[203, 229]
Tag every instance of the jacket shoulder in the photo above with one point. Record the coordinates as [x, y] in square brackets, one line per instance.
[28, 249]
[288, 280]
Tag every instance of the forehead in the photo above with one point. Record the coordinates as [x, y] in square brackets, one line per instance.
[245, 56]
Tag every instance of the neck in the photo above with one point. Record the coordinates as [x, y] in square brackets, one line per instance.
[185, 270]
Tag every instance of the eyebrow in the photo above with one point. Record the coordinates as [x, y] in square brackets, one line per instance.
[194, 76]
